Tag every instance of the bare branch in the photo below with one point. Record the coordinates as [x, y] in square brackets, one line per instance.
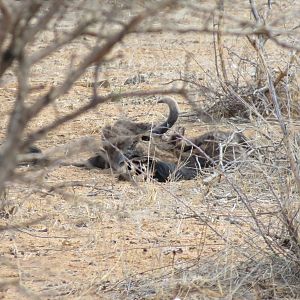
[93, 103]
[78, 31]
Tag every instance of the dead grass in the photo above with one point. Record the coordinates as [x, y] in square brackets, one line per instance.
[116, 240]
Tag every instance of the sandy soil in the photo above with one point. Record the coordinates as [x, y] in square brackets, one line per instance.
[103, 236]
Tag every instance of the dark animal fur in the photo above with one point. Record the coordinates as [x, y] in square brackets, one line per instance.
[211, 148]
[193, 155]
[164, 171]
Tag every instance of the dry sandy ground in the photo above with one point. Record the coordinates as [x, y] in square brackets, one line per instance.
[103, 236]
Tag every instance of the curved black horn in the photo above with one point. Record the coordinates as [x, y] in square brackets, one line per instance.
[172, 118]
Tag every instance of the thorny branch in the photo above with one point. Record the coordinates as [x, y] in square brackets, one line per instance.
[22, 35]
[21, 26]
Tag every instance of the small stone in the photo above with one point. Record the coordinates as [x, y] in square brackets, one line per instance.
[137, 79]
[99, 84]
[81, 224]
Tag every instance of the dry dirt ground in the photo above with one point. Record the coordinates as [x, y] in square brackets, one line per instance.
[105, 239]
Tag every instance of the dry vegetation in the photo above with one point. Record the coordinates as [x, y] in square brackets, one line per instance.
[73, 233]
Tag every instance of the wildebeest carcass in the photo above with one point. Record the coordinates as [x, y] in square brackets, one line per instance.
[214, 148]
[191, 156]
[130, 147]
[121, 142]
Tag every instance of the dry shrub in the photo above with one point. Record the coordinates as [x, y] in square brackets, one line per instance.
[235, 234]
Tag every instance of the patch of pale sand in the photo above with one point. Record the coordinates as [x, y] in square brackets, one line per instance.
[104, 230]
